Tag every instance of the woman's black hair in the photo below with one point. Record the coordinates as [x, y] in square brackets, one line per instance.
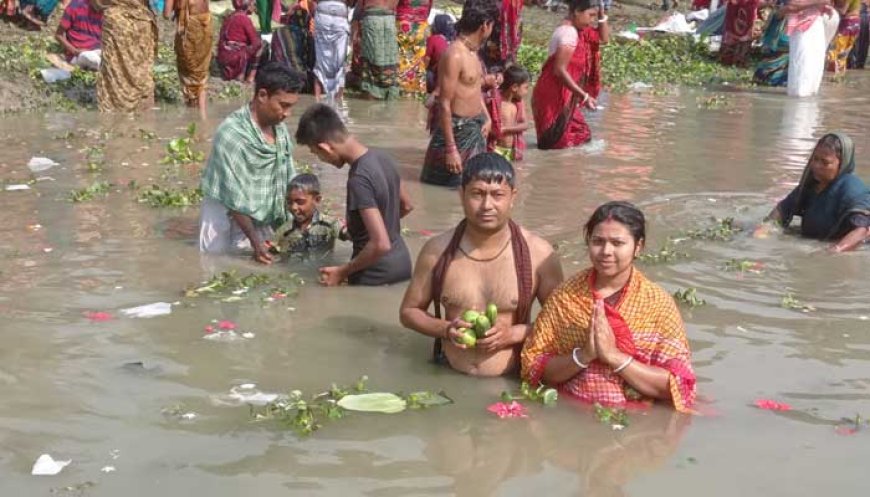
[833, 143]
[580, 5]
[443, 25]
[514, 75]
[621, 212]
[306, 183]
[489, 167]
[475, 13]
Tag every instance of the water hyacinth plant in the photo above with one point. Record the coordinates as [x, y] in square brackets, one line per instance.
[305, 415]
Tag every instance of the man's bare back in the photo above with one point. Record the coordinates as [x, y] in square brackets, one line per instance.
[471, 284]
[378, 4]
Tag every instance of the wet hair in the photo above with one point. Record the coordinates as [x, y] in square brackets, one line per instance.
[274, 77]
[443, 25]
[514, 75]
[581, 5]
[475, 13]
[621, 212]
[320, 124]
[306, 183]
[833, 143]
[489, 167]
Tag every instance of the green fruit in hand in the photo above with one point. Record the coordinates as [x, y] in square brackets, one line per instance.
[481, 326]
[467, 338]
[470, 316]
[492, 313]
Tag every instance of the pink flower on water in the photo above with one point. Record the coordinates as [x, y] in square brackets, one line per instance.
[227, 325]
[772, 405]
[209, 329]
[426, 233]
[279, 295]
[98, 316]
[504, 410]
[845, 430]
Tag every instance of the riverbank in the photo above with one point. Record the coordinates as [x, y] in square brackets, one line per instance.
[661, 61]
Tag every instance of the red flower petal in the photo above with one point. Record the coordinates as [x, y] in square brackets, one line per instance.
[209, 329]
[426, 232]
[772, 405]
[98, 316]
[227, 325]
[845, 430]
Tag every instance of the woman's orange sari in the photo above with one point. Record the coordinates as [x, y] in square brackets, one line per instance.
[645, 323]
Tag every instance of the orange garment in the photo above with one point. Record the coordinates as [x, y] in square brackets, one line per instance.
[645, 323]
[193, 40]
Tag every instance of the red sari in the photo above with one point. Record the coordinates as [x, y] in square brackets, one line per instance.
[558, 114]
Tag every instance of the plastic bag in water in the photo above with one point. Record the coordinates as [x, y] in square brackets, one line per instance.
[39, 164]
[148, 311]
[47, 466]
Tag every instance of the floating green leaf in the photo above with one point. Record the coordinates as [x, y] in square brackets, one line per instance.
[383, 402]
[90, 192]
[689, 297]
[543, 394]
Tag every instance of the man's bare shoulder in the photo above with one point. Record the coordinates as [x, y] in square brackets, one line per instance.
[436, 246]
[539, 248]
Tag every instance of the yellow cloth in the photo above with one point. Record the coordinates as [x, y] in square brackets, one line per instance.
[125, 82]
[193, 42]
[656, 331]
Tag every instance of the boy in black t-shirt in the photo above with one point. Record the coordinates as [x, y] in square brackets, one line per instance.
[375, 202]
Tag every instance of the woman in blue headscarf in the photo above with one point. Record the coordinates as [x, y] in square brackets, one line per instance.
[834, 204]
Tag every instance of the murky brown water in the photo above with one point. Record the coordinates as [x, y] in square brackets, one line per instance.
[65, 392]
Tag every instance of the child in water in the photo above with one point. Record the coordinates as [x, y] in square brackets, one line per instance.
[308, 231]
[510, 143]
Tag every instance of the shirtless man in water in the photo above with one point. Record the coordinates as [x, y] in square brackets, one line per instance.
[462, 121]
[486, 259]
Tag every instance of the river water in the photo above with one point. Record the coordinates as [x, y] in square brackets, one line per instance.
[66, 390]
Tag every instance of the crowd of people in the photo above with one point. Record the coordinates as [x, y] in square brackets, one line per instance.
[800, 40]
[607, 334]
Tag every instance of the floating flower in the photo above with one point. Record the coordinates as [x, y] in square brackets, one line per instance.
[98, 316]
[209, 329]
[227, 325]
[845, 430]
[426, 232]
[508, 410]
[772, 405]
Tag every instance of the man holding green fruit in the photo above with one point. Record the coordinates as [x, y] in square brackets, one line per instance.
[487, 290]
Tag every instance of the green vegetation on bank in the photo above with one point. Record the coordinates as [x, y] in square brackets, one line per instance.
[22, 60]
[659, 61]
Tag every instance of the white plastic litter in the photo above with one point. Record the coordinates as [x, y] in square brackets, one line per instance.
[674, 24]
[15, 188]
[107, 469]
[639, 85]
[698, 15]
[47, 466]
[628, 35]
[39, 164]
[148, 311]
[53, 75]
[245, 394]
